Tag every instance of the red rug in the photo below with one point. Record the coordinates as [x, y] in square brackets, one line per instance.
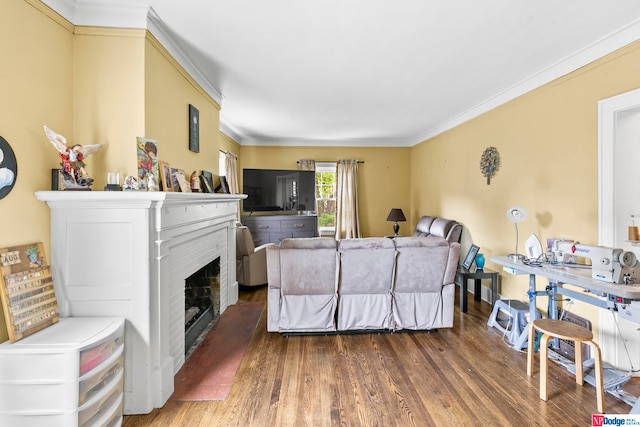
[209, 371]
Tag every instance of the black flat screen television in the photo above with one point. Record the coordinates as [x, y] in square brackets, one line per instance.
[278, 190]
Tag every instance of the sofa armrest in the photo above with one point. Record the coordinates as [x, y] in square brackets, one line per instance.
[452, 264]
[454, 234]
[273, 288]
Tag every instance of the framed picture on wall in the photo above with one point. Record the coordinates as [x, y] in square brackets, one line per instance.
[194, 129]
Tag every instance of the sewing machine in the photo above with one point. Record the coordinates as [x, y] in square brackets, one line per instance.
[607, 264]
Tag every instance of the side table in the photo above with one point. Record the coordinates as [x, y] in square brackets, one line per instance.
[463, 274]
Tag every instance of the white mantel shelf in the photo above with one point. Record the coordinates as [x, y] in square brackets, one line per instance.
[127, 254]
[134, 197]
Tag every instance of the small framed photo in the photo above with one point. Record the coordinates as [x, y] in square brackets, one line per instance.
[224, 185]
[194, 129]
[471, 256]
[207, 181]
[57, 180]
[180, 182]
[165, 176]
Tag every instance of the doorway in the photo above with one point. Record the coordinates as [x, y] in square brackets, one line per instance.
[619, 199]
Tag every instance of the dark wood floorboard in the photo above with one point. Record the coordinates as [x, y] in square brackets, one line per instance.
[465, 376]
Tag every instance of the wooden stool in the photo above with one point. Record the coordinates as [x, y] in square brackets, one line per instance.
[566, 331]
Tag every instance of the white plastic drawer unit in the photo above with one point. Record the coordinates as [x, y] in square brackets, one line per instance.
[69, 374]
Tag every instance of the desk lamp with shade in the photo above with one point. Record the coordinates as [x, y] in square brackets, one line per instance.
[516, 214]
[396, 215]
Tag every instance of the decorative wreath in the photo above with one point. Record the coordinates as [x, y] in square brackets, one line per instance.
[489, 163]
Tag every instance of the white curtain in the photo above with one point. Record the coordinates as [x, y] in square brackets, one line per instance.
[231, 168]
[306, 165]
[347, 220]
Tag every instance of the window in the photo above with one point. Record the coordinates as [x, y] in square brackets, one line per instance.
[222, 168]
[326, 197]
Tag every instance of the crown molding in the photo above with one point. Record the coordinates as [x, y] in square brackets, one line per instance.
[228, 130]
[571, 63]
[299, 142]
[131, 14]
[161, 33]
[137, 14]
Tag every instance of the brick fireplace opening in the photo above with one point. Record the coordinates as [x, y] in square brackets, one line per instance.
[202, 303]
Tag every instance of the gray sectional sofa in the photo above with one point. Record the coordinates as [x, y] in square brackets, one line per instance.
[441, 227]
[323, 285]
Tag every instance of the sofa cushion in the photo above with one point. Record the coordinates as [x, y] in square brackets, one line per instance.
[309, 243]
[440, 227]
[308, 284]
[366, 279]
[423, 228]
[425, 271]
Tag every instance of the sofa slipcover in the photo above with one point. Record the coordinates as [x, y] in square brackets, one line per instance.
[424, 292]
[366, 279]
[319, 284]
[303, 280]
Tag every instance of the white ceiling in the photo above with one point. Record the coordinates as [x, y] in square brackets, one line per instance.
[372, 72]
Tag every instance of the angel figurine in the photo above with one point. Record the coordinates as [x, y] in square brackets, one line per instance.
[75, 176]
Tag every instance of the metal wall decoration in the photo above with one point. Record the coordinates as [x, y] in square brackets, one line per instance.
[8, 168]
[489, 163]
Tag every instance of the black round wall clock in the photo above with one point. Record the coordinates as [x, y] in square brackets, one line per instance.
[8, 168]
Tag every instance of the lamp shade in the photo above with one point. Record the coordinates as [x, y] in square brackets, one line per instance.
[516, 214]
[396, 215]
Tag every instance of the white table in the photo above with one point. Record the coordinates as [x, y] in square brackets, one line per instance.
[610, 293]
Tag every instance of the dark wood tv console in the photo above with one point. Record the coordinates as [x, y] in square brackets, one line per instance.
[273, 228]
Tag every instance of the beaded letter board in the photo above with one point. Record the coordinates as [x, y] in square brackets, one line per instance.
[28, 298]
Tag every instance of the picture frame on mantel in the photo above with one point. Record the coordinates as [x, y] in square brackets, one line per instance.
[471, 256]
[194, 129]
[165, 176]
[207, 181]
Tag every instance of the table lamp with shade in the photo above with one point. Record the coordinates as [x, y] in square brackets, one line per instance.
[396, 215]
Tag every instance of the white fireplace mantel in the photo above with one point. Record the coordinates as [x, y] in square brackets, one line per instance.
[126, 254]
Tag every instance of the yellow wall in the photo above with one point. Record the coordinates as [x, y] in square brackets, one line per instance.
[92, 85]
[36, 83]
[548, 141]
[168, 92]
[109, 85]
[383, 179]
[109, 104]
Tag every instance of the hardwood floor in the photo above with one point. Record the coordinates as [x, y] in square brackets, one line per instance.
[467, 375]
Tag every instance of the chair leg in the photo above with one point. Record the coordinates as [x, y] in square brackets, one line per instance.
[544, 366]
[577, 348]
[599, 376]
[530, 349]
